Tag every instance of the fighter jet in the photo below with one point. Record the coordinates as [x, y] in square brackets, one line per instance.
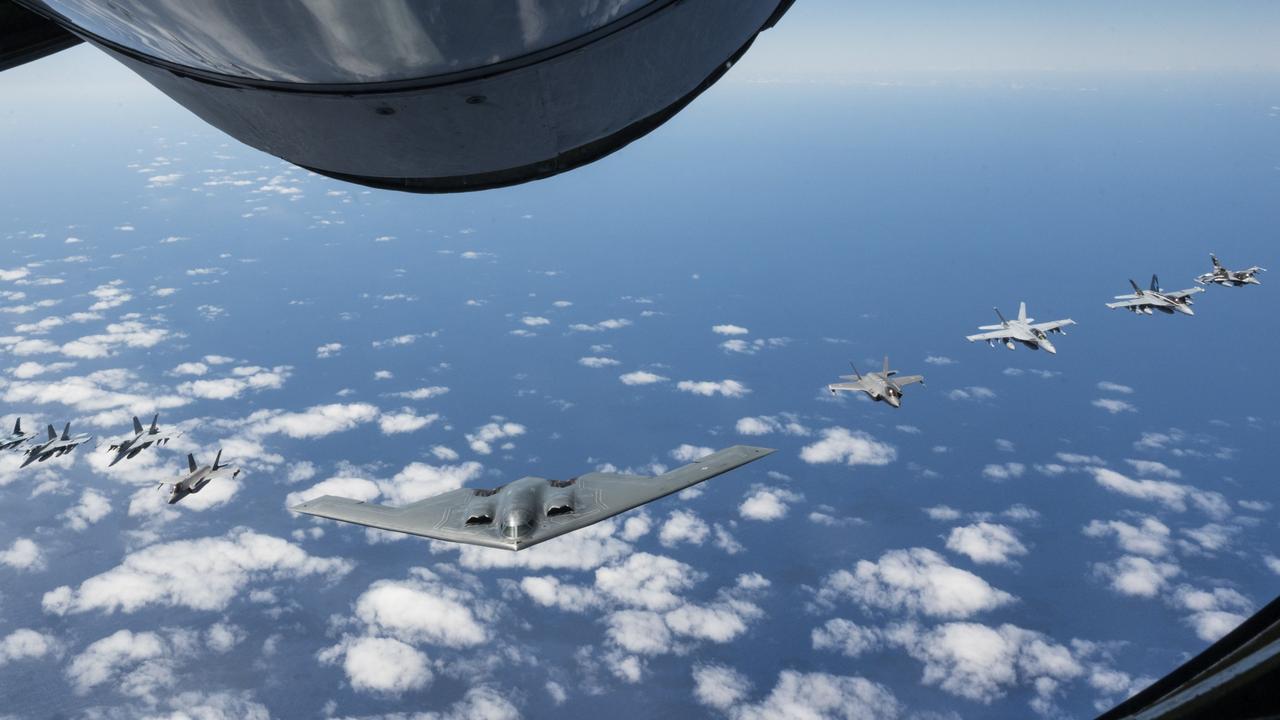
[195, 481]
[1022, 330]
[142, 439]
[1144, 301]
[528, 511]
[55, 446]
[1230, 278]
[877, 385]
[18, 437]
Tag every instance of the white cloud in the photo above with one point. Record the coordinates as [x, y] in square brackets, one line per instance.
[765, 424]
[534, 321]
[1114, 406]
[683, 526]
[328, 350]
[986, 543]
[383, 665]
[405, 421]
[939, 360]
[1005, 471]
[976, 393]
[29, 369]
[611, 324]
[811, 696]
[729, 330]
[23, 554]
[687, 453]
[597, 362]
[190, 368]
[767, 503]
[1213, 613]
[1136, 576]
[708, 388]
[1153, 467]
[483, 437]
[26, 644]
[93, 506]
[641, 377]
[845, 637]
[423, 393]
[1172, 495]
[213, 572]
[1111, 387]
[1149, 537]
[840, 445]
[241, 379]
[316, 421]
[423, 609]
[917, 580]
[134, 662]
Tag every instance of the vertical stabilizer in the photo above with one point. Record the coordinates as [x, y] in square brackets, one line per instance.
[1001, 316]
[137, 426]
[66, 432]
[886, 366]
[191, 462]
[1022, 311]
[1155, 284]
[53, 434]
[217, 460]
[1136, 290]
[155, 419]
[17, 427]
[855, 370]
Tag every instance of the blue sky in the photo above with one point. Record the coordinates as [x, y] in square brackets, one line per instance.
[1079, 523]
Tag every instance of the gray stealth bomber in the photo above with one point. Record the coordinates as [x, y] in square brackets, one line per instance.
[195, 481]
[18, 438]
[1230, 278]
[142, 439]
[1022, 330]
[882, 386]
[55, 446]
[1142, 302]
[530, 510]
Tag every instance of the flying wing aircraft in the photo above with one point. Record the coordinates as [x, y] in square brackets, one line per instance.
[1145, 301]
[142, 439]
[198, 477]
[884, 386]
[530, 510]
[55, 446]
[1023, 330]
[18, 437]
[1230, 278]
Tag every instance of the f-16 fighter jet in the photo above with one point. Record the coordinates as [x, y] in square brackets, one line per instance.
[530, 510]
[142, 439]
[195, 481]
[879, 386]
[1230, 278]
[55, 446]
[17, 438]
[1144, 301]
[1022, 330]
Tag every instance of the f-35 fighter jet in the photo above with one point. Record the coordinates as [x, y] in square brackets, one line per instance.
[1230, 278]
[1022, 330]
[195, 481]
[55, 446]
[530, 510]
[1144, 301]
[142, 439]
[881, 386]
[18, 437]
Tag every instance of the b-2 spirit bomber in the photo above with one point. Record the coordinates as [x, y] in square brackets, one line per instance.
[530, 510]
[884, 386]
[1143, 302]
[1022, 330]
[55, 446]
[1230, 278]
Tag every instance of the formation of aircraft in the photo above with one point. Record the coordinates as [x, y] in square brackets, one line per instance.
[1230, 278]
[1022, 329]
[1145, 301]
[57, 445]
[530, 510]
[884, 386]
[197, 477]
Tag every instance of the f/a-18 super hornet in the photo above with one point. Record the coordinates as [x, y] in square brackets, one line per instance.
[530, 510]
[883, 386]
[198, 477]
[142, 439]
[1144, 301]
[1230, 278]
[55, 446]
[18, 437]
[1022, 330]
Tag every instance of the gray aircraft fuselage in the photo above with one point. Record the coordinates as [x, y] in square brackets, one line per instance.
[55, 446]
[196, 480]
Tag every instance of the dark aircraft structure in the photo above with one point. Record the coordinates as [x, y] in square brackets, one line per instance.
[415, 95]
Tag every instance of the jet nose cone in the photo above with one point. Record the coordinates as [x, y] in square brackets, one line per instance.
[1186, 310]
[1048, 347]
